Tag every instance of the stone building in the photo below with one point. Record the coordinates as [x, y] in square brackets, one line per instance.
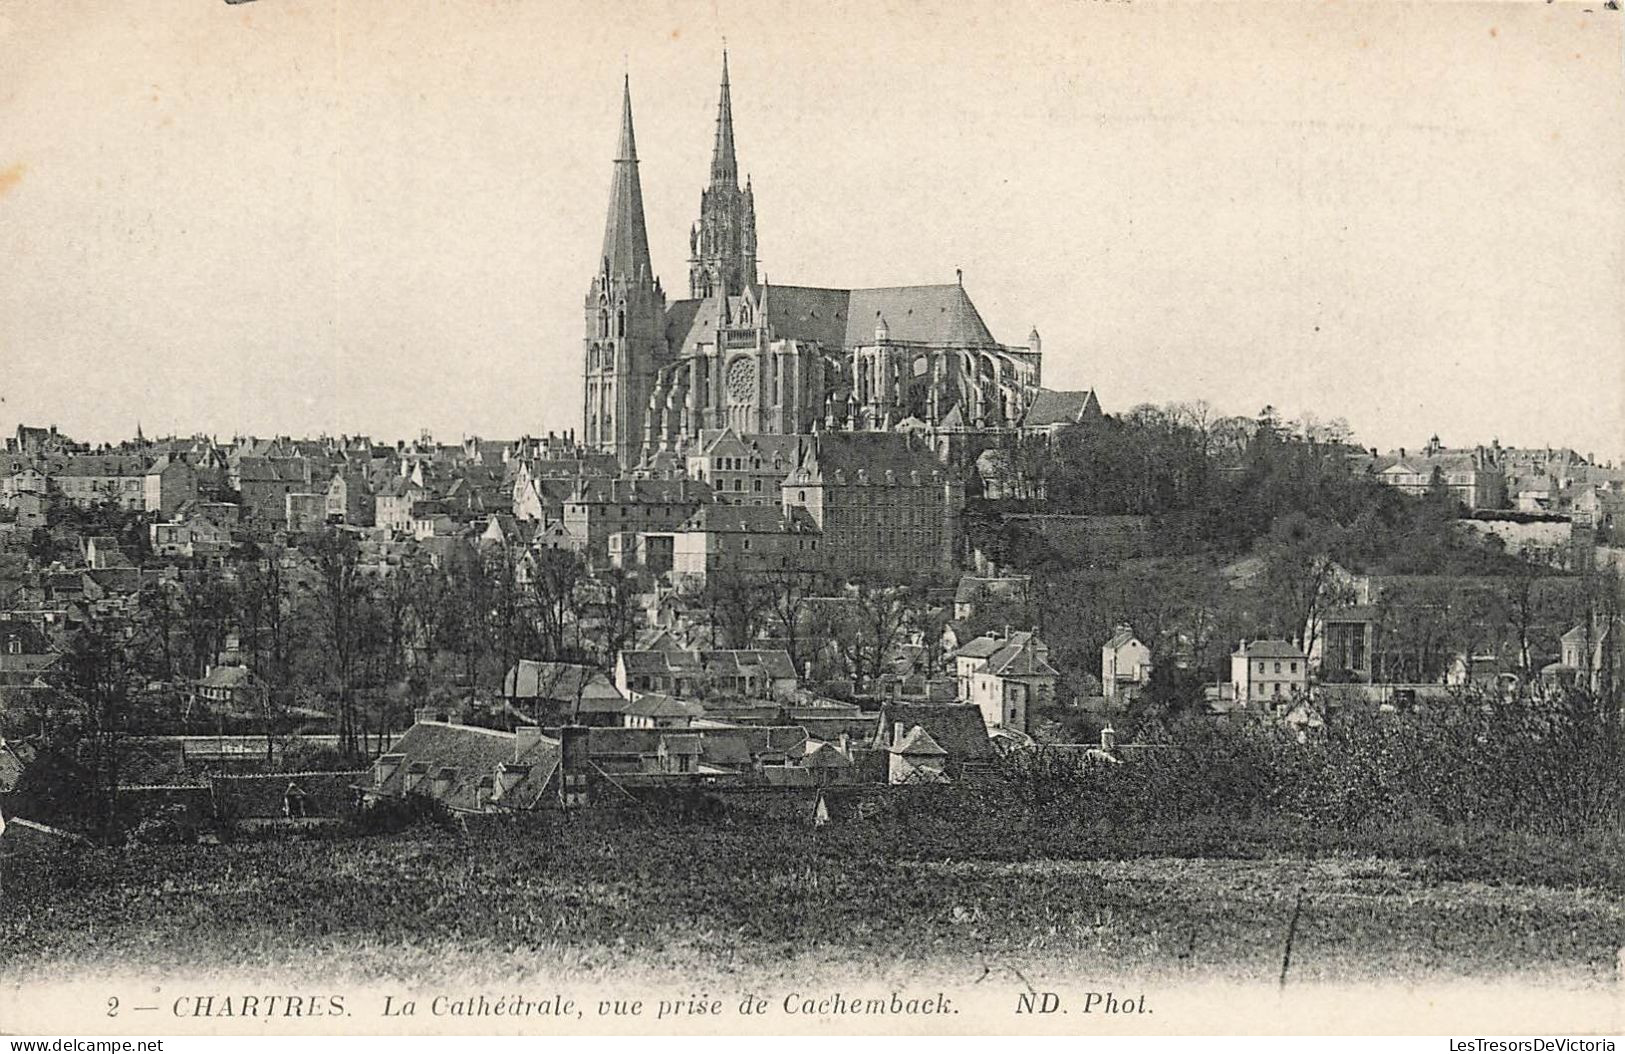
[605, 515]
[89, 480]
[741, 353]
[1473, 477]
[881, 502]
[744, 469]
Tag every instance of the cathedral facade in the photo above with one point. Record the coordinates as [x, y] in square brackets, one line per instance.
[740, 353]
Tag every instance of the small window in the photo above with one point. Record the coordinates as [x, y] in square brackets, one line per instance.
[1277, 667]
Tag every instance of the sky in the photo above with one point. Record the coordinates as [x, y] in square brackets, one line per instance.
[362, 216]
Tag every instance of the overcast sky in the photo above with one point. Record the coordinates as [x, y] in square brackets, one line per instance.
[295, 216]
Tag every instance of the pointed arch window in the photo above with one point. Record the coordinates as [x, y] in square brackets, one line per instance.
[620, 322]
[603, 322]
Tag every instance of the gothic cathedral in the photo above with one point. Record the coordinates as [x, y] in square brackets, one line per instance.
[772, 359]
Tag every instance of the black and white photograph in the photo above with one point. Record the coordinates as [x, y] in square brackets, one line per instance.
[890, 517]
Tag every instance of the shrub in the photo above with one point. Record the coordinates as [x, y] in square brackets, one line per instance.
[393, 815]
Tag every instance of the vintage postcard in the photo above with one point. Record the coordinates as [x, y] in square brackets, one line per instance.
[888, 517]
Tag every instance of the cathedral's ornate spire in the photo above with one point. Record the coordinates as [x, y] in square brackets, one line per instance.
[724, 168]
[626, 239]
[722, 246]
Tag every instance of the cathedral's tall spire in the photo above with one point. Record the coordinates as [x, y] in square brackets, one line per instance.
[626, 238]
[722, 244]
[724, 169]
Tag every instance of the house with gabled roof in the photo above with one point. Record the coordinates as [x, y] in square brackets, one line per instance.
[740, 672]
[393, 503]
[1053, 411]
[469, 769]
[1014, 680]
[225, 690]
[555, 692]
[1125, 665]
[170, 481]
[956, 728]
[916, 757]
[668, 671]
[973, 591]
[743, 469]
[349, 496]
[1591, 657]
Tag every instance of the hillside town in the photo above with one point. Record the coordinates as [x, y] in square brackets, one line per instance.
[803, 538]
[281, 630]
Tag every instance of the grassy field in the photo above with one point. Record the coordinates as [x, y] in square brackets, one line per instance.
[712, 900]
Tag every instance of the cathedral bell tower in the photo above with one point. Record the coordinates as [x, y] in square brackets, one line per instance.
[722, 245]
[625, 313]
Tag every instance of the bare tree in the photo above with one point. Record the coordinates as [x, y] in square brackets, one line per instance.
[338, 591]
[866, 630]
[737, 607]
[788, 594]
[96, 669]
[555, 577]
[265, 620]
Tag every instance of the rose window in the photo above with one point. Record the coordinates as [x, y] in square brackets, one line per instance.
[741, 381]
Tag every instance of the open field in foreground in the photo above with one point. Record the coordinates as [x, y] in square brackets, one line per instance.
[714, 902]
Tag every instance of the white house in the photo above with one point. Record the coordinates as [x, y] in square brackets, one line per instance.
[1006, 678]
[1125, 665]
[1269, 673]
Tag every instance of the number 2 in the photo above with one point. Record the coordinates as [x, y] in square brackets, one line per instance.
[112, 1006]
